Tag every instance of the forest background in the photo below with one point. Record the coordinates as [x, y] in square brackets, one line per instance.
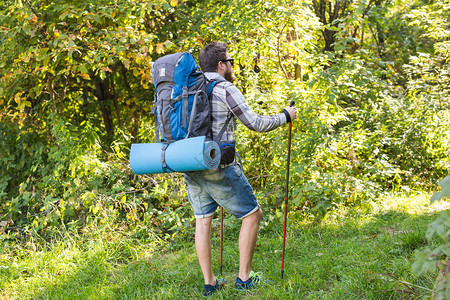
[370, 79]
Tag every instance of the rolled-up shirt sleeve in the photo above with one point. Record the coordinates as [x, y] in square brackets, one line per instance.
[260, 123]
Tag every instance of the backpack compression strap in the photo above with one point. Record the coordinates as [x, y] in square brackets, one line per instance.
[185, 95]
[156, 123]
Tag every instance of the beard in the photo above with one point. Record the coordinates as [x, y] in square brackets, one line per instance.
[229, 75]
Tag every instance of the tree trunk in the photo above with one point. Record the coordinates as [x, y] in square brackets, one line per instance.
[381, 37]
[328, 36]
[298, 71]
[103, 94]
[328, 13]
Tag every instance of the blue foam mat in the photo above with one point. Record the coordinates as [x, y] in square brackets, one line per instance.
[192, 154]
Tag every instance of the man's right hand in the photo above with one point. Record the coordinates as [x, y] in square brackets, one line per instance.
[292, 112]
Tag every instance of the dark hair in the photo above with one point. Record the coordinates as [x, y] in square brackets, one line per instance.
[211, 55]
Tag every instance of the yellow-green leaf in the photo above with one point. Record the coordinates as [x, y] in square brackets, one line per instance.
[85, 76]
[160, 48]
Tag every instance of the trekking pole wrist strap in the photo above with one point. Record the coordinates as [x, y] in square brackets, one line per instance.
[288, 116]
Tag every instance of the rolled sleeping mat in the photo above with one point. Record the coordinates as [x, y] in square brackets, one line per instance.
[192, 154]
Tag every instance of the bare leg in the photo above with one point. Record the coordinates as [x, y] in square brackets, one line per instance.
[203, 247]
[247, 243]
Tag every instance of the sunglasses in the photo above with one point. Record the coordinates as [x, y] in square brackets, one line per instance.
[231, 60]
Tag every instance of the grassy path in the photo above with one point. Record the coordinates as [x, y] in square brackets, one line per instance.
[363, 253]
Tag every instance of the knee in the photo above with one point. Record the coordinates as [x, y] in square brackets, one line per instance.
[259, 214]
[204, 224]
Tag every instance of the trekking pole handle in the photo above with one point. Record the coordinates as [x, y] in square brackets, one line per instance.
[292, 103]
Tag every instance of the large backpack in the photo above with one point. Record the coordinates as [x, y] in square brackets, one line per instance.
[181, 102]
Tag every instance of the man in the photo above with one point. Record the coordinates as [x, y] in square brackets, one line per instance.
[227, 186]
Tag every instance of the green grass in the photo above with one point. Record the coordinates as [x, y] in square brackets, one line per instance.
[363, 253]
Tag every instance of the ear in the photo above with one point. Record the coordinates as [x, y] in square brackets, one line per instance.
[221, 66]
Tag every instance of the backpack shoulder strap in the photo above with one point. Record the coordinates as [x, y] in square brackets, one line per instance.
[222, 131]
[209, 88]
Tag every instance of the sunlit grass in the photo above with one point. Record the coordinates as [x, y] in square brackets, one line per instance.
[354, 253]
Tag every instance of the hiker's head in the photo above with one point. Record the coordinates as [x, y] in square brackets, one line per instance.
[214, 58]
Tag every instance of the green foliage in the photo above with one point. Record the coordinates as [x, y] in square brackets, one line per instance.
[76, 91]
[437, 258]
[428, 73]
[349, 255]
[371, 85]
[445, 192]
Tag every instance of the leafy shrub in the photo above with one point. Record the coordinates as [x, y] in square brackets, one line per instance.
[437, 258]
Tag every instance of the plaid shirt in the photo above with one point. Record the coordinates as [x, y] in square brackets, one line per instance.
[226, 99]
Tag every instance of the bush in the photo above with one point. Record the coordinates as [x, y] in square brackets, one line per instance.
[437, 258]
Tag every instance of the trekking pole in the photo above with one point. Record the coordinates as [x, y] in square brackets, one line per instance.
[221, 237]
[287, 194]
